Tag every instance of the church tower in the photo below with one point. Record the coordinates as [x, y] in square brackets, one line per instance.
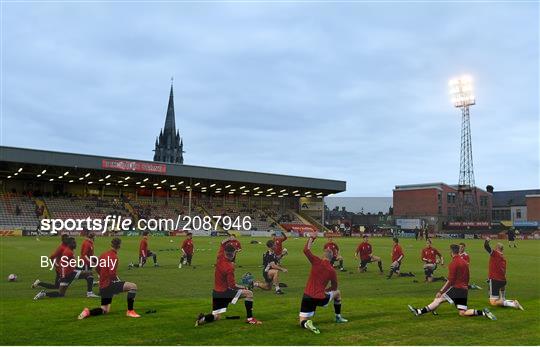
[169, 144]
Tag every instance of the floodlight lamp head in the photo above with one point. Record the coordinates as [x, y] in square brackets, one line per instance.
[461, 91]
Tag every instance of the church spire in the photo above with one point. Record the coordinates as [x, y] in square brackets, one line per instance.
[169, 146]
[170, 125]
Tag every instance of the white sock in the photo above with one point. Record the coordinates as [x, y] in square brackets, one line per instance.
[277, 287]
[509, 303]
[435, 304]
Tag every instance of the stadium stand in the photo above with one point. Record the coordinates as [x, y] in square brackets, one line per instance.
[18, 212]
[157, 208]
[265, 218]
[61, 185]
[75, 207]
[21, 211]
[259, 218]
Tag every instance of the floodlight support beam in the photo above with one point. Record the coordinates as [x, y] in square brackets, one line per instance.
[466, 167]
[467, 188]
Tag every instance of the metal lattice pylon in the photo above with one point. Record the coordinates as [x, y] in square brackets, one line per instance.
[467, 188]
[466, 167]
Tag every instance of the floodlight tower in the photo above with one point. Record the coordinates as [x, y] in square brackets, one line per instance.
[461, 91]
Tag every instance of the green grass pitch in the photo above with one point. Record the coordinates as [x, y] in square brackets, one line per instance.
[375, 306]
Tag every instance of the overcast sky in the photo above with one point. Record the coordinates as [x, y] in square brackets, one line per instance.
[349, 91]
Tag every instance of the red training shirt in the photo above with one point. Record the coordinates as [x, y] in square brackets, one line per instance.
[333, 247]
[87, 250]
[458, 273]
[143, 247]
[187, 246]
[321, 273]
[224, 275]
[55, 256]
[365, 250]
[397, 253]
[278, 244]
[497, 266]
[107, 273]
[429, 255]
[235, 243]
[465, 257]
[65, 267]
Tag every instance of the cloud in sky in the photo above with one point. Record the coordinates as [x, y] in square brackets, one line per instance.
[350, 91]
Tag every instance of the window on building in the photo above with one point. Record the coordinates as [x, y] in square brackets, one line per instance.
[518, 213]
[501, 214]
[483, 214]
[483, 201]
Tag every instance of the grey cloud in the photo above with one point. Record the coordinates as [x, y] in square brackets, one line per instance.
[345, 91]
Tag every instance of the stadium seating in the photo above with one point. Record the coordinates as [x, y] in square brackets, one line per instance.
[266, 218]
[259, 220]
[84, 207]
[18, 212]
[161, 208]
[22, 212]
[282, 215]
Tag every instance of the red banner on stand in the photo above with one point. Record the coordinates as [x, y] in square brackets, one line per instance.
[300, 228]
[134, 166]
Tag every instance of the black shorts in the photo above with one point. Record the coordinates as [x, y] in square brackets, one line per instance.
[457, 296]
[221, 300]
[107, 293]
[309, 305]
[397, 266]
[149, 253]
[66, 281]
[495, 287]
[86, 267]
[266, 278]
[430, 267]
[364, 262]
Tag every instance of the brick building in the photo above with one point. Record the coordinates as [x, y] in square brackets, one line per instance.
[435, 203]
[512, 206]
[533, 207]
